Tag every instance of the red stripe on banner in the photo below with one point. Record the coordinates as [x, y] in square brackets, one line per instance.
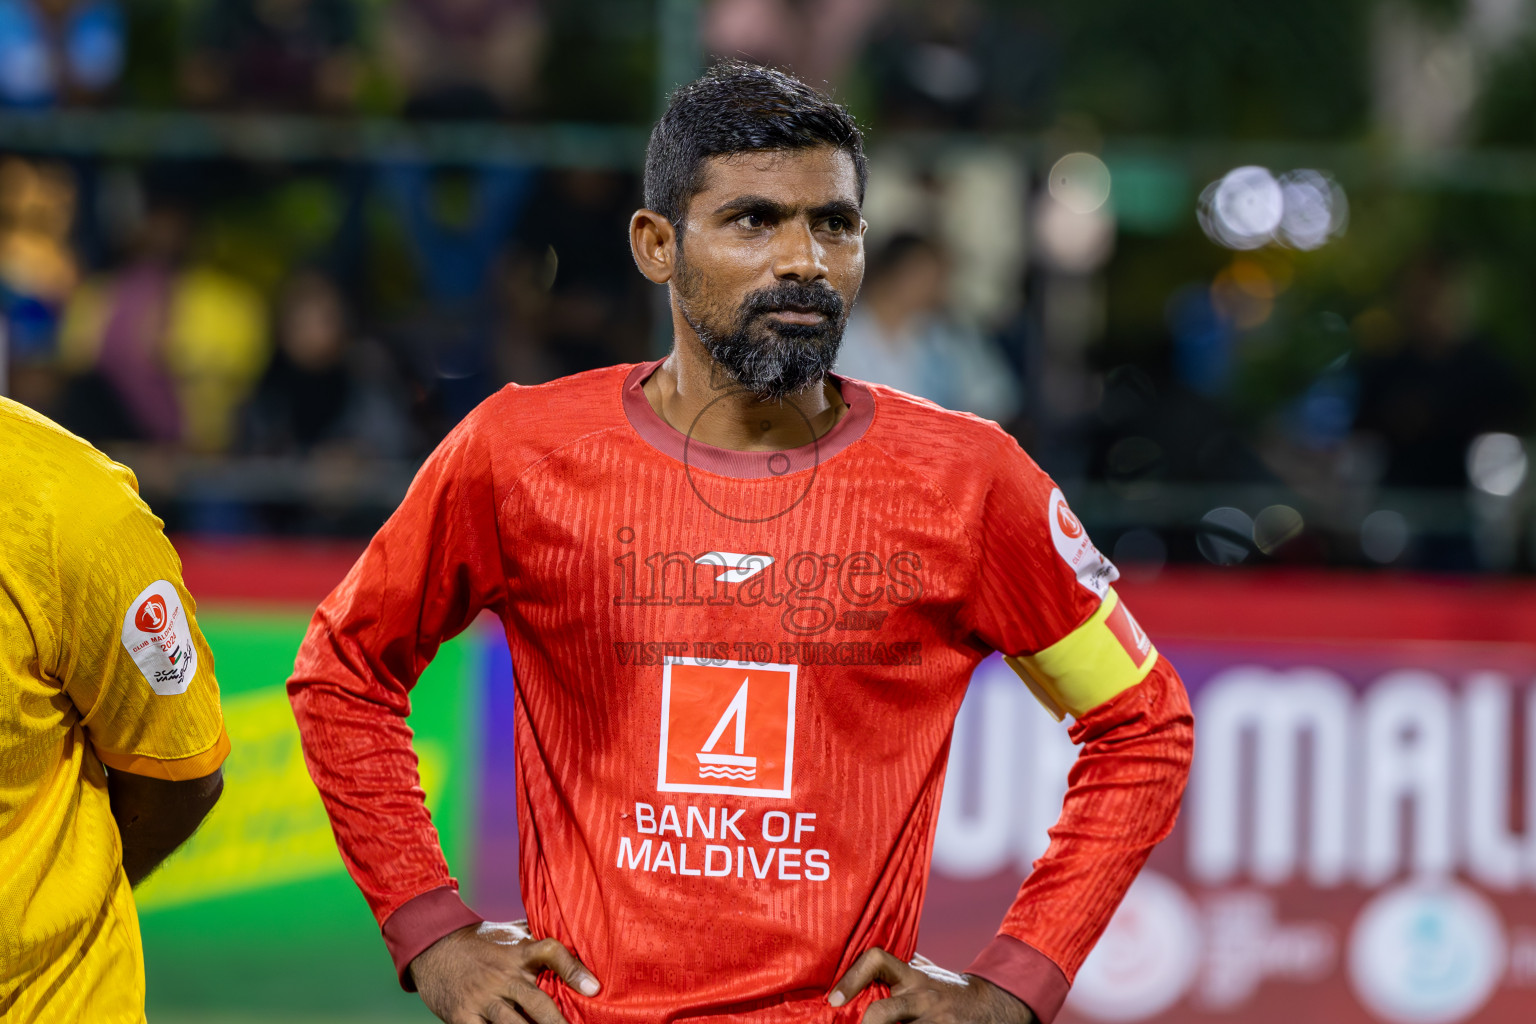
[1188, 603]
[264, 572]
[1289, 604]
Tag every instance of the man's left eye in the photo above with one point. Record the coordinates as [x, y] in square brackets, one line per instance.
[837, 223]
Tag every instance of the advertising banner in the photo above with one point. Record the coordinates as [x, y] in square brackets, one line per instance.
[1358, 842]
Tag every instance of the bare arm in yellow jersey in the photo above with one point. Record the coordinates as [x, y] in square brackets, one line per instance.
[155, 816]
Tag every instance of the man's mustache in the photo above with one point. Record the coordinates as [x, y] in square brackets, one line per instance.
[792, 296]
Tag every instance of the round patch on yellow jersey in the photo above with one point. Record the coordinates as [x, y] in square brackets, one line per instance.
[158, 638]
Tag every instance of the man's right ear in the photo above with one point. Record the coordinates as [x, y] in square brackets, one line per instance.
[653, 243]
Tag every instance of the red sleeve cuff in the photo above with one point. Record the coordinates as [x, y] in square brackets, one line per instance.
[1024, 972]
[421, 921]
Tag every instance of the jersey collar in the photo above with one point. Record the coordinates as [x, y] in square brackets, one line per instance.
[665, 438]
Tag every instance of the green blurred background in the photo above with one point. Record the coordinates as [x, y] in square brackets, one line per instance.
[1256, 271]
[256, 914]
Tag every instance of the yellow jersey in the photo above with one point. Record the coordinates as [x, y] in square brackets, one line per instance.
[101, 662]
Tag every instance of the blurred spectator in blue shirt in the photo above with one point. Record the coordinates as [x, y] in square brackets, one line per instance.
[53, 50]
[452, 331]
[899, 334]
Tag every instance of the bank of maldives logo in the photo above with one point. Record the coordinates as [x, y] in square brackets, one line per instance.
[727, 727]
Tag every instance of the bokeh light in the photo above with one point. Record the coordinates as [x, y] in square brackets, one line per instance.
[1140, 553]
[1275, 526]
[1314, 209]
[1497, 464]
[1243, 209]
[1072, 241]
[1249, 208]
[1244, 293]
[1225, 536]
[1384, 536]
[1080, 182]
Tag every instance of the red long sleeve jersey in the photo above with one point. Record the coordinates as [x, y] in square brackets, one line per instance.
[737, 675]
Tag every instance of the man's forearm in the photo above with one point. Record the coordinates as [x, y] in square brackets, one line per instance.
[154, 817]
[1122, 798]
[358, 749]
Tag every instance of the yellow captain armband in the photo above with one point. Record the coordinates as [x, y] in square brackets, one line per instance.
[1100, 659]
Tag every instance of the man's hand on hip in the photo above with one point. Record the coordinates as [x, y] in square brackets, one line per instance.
[923, 991]
[489, 973]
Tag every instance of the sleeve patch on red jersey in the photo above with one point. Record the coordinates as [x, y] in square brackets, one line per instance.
[1092, 569]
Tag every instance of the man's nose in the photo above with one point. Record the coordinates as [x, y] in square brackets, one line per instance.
[798, 256]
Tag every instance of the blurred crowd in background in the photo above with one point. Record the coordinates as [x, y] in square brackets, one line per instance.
[1253, 283]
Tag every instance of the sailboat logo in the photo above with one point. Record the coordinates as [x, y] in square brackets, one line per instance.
[727, 728]
[729, 766]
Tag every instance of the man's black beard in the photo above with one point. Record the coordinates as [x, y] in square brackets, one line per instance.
[767, 358]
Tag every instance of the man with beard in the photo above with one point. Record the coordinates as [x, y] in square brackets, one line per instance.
[743, 597]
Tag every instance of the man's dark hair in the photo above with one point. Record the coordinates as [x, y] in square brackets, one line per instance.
[738, 107]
